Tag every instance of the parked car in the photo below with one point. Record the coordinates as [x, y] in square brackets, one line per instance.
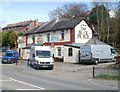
[10, 57]
[97, 53]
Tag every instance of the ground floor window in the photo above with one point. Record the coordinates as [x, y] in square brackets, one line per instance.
[59, 51]
[70, 52]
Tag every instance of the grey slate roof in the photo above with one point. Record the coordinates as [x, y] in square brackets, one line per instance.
[95, 41]
[57, 24]
[65, 24]
[42, 28]
[90, 42]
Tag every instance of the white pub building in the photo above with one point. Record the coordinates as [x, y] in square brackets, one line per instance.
[63, 36]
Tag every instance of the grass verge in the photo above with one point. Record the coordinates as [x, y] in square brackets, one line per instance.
[108, 77]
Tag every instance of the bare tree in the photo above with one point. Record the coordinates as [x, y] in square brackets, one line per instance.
[72, 10]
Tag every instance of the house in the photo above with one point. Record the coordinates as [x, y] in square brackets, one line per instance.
[20, 29]
[23, 26]
[58, 32]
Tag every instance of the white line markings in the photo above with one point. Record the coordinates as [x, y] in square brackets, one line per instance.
[39, 88]
[28, 89]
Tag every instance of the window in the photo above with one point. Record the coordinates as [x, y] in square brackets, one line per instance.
[33, 38]
[43, 54]
[59, 51]
[48, 37]
[62, 35]
[70, 52]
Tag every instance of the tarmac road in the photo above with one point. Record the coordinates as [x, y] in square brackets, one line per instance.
[63, 77]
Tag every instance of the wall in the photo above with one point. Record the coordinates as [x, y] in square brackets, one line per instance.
[83, 33]
[71, 59]
[55, 36]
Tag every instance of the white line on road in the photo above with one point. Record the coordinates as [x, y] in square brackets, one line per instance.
[40, 88]
[28, 89]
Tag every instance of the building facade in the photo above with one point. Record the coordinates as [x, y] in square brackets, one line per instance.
[59, 32]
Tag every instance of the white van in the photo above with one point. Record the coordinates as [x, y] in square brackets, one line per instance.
[40, 57]
[97, 53]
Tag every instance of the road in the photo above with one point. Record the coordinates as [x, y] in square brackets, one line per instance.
[63, 77]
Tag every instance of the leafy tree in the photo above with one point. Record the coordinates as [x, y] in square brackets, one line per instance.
[12, 39]
[4, 39]
[73, 10]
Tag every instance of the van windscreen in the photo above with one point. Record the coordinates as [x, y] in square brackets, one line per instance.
[43, 54]
[9, 54]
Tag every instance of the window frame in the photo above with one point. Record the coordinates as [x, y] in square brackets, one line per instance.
[70, 52]
[48, 37]
[62, 35]
[59, 51]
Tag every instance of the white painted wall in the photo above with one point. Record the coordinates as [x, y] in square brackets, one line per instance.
[54, 37]
[83, 32]
[71, 59]
[54, 50]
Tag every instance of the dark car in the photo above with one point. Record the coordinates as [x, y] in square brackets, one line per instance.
[10, 57]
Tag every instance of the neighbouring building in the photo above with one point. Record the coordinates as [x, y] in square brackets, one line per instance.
[23, 26]
[20, 29]
[59, 32]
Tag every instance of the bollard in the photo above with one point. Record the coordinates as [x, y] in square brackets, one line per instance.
[28, 63]
[16, 62]
[93, 72]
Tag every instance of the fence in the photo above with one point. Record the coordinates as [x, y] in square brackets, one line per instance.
[105, 71]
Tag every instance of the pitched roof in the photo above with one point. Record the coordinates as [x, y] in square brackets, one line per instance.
[58, 24]
[41, 28]
[64, 24]
[24, 23]
[95, 41]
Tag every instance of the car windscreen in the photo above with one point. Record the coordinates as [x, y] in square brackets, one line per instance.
[9, 54]
[42, 54]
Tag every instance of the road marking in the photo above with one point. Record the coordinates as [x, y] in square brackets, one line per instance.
[40, 88]
[28, 89]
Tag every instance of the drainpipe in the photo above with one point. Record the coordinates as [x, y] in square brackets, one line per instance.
[26, 40]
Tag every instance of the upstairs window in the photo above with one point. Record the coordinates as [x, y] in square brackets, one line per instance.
[70, 52]
[62, 35]
[48, 37]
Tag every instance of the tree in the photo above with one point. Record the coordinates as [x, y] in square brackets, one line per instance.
[4, 39]
[73, 10]
[99, 18]
[12, 39]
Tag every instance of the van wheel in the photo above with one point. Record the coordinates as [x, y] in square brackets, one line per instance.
[114, 60]
[96, 62]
